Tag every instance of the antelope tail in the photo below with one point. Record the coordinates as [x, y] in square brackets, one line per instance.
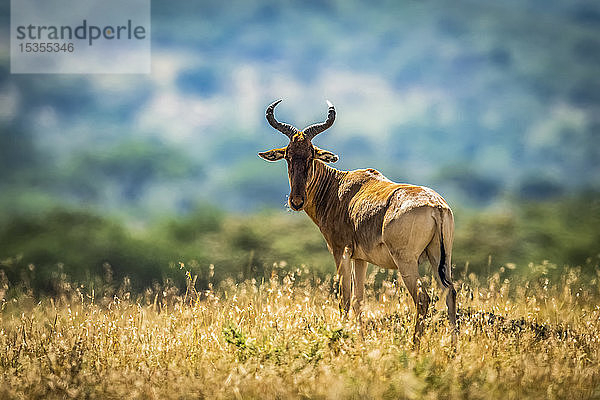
[444, 267]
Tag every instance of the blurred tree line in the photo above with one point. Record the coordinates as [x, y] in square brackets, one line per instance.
[37, 251]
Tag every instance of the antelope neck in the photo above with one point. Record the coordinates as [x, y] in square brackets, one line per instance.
[322, 191]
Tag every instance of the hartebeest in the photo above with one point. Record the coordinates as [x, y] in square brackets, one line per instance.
[366, 218]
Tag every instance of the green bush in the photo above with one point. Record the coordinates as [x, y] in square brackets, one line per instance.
[83, 246]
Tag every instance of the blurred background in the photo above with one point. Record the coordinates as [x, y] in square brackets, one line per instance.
[494, 105]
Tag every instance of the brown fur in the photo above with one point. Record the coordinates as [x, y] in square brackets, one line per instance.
[351, 207]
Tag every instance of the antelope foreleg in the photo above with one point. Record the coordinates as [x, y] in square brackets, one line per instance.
[344, 271]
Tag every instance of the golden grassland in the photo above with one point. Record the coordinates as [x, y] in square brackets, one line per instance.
[284, 338]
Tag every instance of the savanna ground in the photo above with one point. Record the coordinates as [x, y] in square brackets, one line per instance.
[526, 337]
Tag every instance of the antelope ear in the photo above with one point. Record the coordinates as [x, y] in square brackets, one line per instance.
[273, 155]
[325, 156]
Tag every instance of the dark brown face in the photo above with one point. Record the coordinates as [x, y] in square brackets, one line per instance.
[299, 154]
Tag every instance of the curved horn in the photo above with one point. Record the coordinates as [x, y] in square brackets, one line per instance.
[313, 130]
[287, 129]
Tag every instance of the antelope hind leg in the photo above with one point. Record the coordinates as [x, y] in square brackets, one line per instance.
[409, 270]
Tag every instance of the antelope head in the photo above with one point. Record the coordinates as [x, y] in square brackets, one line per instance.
[300, 153]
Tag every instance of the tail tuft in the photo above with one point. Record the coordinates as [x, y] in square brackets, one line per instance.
[442, 266]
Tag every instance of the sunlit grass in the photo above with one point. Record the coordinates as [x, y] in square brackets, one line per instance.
[284, 338]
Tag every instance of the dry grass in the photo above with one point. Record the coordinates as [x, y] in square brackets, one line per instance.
[285, 339]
